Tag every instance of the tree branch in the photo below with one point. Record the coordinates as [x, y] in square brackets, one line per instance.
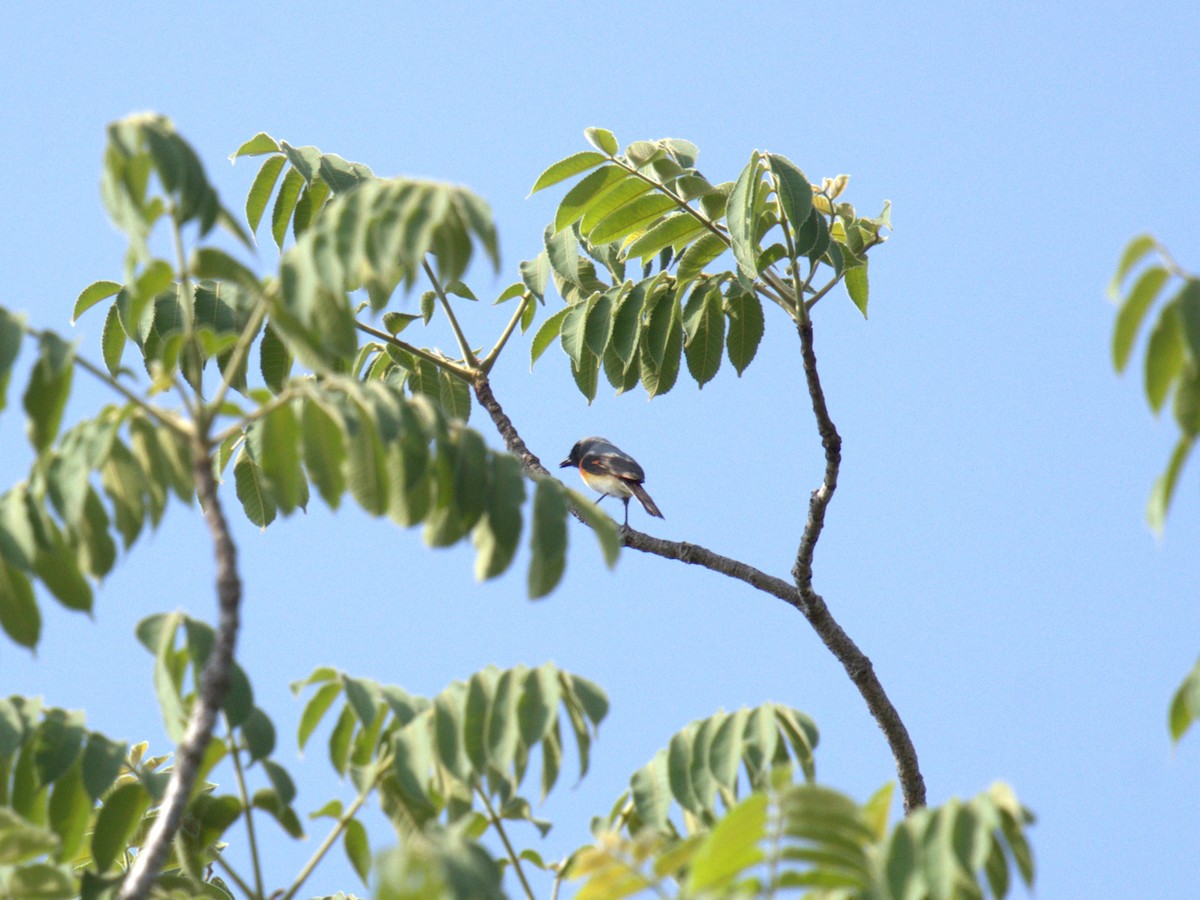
[214, 683]
[853, 660]
[810, 604]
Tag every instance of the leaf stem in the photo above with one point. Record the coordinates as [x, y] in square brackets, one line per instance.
[490, 360]
[240, 351]
[467, 353]
[236, 878]
[282, 398]
[240, 775]
[330, 839]
[183, 429]
[508, 847]
[442, 362]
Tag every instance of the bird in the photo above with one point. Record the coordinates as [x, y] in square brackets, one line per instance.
[606, 468]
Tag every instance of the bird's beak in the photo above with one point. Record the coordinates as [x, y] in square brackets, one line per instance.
[565, 463]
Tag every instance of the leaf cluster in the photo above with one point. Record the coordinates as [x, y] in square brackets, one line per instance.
[651, 204]
[74, 805]
[1146, 276]
[806, 837]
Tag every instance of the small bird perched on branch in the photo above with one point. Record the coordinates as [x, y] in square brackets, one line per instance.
[606, 468]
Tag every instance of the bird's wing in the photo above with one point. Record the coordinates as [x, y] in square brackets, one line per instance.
[608, 460]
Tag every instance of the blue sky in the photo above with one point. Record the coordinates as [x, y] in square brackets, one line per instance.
[986, 547]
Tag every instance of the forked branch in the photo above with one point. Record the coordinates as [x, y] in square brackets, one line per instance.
[799, 594]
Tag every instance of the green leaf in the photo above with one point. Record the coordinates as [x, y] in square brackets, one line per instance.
[259, 734]
[1134, 252]
[634, 216]
[22, 840]
[707, 248]
[793, 189]
[315, 709]
[19, 616]
[1133, 310]
[732, 847]
[112, 341]
[498, 534]
[91, 295]
[1189, 313]
[587, 374]
[1164, 356]
[69, 811]
[259, 144]
[358, 851]
[602, 139]
[1185, 705]
[598, 323]
[741, 219]
[673, 231]
[102, 761]
[650, 789]
[584, 193]
[324, 446]
[745, 330]
[538, 705]
[549, 538]
[534, 273]
[209, 262]
[705, 346]
[116, 823]
[285, 204]
[12, 331]
[565, 168]
[58, 744]
[666, 332]
[280, 457]
[503, 732]
[545, 335]
[609, 201]
[49, 387]
[856, 286]
[1164, 485]
[573, 332]
[252, 490]
[261, 190]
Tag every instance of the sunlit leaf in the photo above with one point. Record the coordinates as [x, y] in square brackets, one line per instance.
[116, 823]
[856, 286]
[261, 190]
[1133, 311]
[91, 295]
[602, 139]
[565, 168]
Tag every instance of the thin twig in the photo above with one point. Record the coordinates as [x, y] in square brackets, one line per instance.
[236, 358]
[490, 360]
[251, 838]
[437, 359]
[508, 847]
[330, 840]
[178, 426]
[214, 683]
[467, 353]
[237, 879]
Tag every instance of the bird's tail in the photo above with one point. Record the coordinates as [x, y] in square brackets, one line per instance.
[644, 498]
